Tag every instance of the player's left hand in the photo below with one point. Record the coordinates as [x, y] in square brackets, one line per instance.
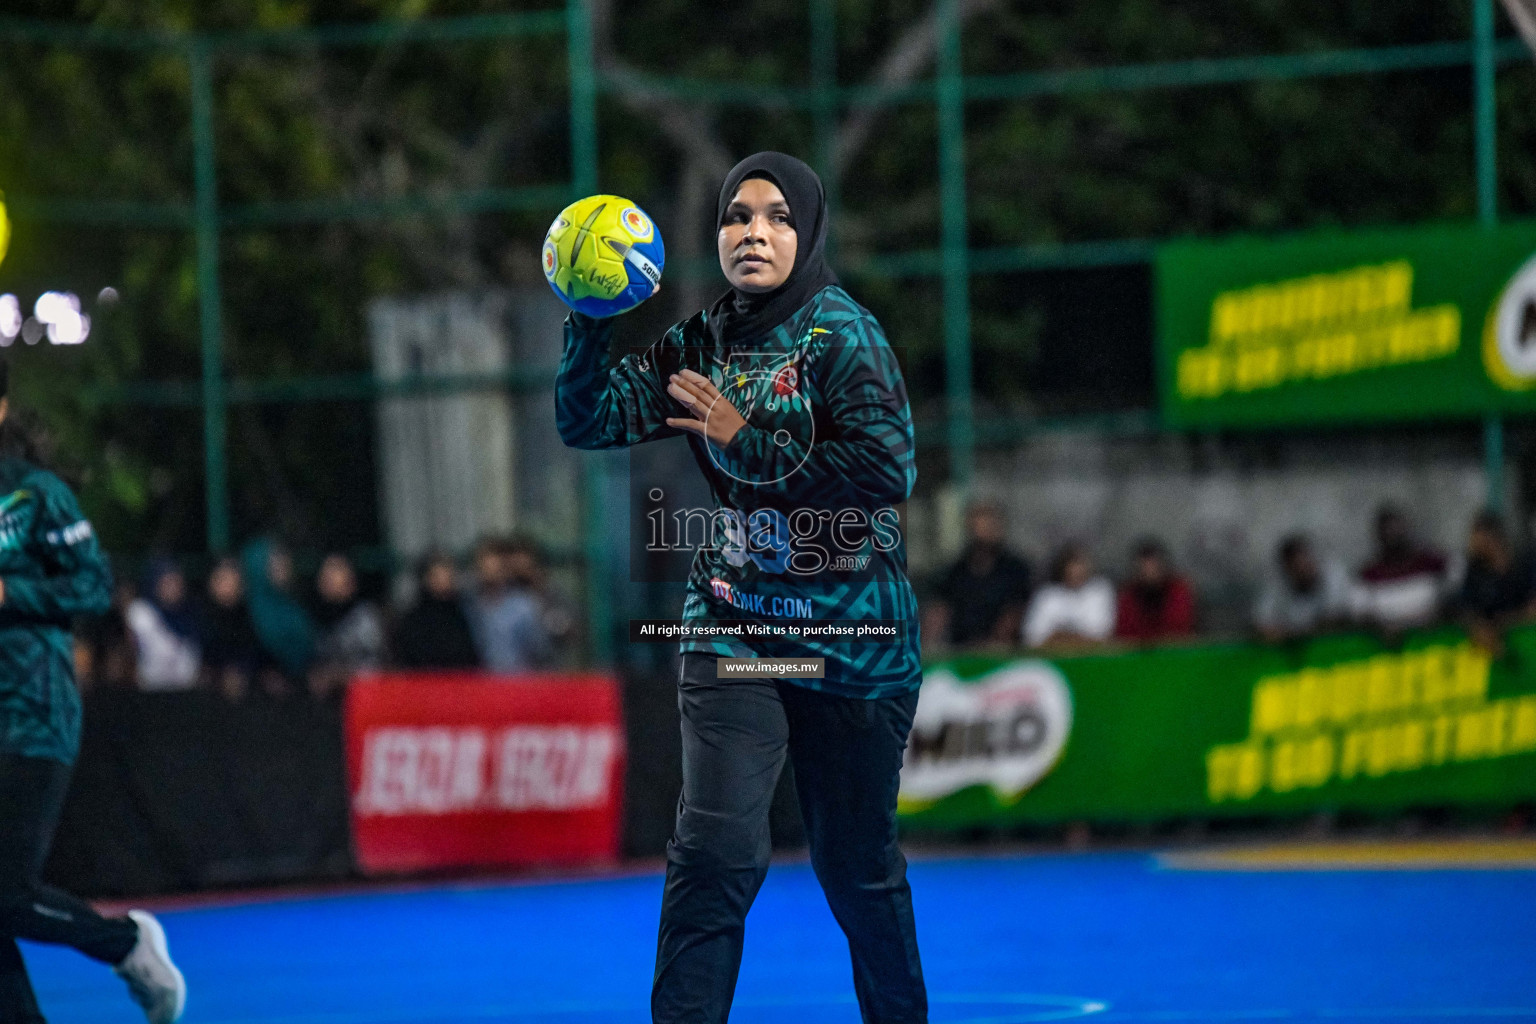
[713, 416]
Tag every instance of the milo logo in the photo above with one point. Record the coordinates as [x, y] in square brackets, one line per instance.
[1006, 729]
[1509, 334]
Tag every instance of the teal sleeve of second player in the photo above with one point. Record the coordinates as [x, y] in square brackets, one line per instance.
[73, 577]
[599, 407]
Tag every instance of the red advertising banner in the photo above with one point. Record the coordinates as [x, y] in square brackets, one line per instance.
[457, 770]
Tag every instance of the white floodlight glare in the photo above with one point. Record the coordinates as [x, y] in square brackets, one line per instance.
[51, 305]
[10, 318]
[60, 313]
[70, 329]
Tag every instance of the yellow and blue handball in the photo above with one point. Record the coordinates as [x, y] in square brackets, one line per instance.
[603, 255]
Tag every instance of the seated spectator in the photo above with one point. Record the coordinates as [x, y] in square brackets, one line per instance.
[1405, 584]
[83, 656]
[285, 635]
[1306, 598]
[1500, 586]
[350, 638]
[524, 569]
[508, 627]
[1075, 609]
[980, 599]
[104, 650]
[1155, 603]
[230, 652]
[434, 632]
[165, 630]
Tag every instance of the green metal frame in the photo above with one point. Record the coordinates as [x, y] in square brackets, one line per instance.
[208, 220]
[1485, 116]
[954, 262]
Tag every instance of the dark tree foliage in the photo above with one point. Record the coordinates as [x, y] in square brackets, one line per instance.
[413, 119]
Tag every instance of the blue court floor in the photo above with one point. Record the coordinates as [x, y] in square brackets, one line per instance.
[1112, 936]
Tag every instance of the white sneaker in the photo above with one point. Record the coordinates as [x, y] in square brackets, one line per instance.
[153, 981]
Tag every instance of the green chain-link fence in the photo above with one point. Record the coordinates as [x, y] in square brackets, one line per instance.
[954, 262]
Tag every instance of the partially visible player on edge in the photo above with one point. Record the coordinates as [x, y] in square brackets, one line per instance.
[52, 569]
[791, 400]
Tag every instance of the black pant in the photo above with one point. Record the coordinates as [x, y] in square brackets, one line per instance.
[31, 795]
[847, 757]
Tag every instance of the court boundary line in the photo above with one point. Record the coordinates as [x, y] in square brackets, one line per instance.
[1450, 854]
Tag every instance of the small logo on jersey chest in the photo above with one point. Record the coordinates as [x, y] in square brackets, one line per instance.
[786, 381]
[16, 512]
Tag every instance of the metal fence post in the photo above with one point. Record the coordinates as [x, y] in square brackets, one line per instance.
[583, 97]
[1485, 123]
[1493, 462]
[956, 277]
[209, 297]
[596, 550]
[1485, 112]
[824, 82]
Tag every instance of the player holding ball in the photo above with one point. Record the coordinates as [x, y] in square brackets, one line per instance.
[795, 409]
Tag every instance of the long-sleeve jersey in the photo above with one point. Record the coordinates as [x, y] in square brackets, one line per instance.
[53, 570]
[804, 525]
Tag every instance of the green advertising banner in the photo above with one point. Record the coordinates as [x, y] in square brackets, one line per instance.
[1233, 730]
[1347, 327]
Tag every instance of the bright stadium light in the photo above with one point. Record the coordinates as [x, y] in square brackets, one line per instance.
[50, 306]
[60, 313]
[70, 329]
[10, 318]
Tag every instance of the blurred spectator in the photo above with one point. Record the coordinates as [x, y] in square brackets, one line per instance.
[351, 630]
[1500, 586]
[1076, 608]
[980, 599]
[230, 651]
[1405, 584]
[285, 635]
[104, 650]
[165, 630]
[507, 624]
[525, 571]
[84, 658]
[1156, 602]
[1306, 598]
[434, 632]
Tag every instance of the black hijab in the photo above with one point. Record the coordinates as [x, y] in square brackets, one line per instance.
[739, 316]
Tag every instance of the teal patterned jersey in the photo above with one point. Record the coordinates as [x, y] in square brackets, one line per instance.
[53, 570]
[805, 525]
